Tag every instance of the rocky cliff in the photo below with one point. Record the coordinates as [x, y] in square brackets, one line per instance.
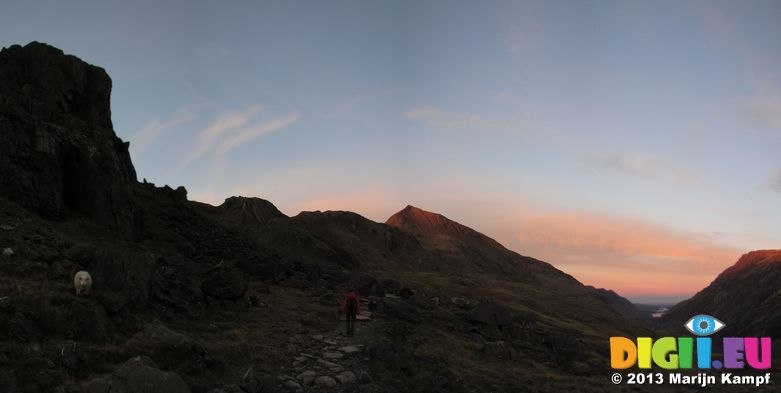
[59, 154]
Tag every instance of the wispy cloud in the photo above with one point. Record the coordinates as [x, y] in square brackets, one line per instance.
[439, 118]
[629, 255]
[154, 128]
[647, 166]
[208, 137]
[245, 135]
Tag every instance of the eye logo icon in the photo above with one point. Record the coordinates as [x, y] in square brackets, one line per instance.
[703, 325]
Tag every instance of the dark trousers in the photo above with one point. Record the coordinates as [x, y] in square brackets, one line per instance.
[350, 318]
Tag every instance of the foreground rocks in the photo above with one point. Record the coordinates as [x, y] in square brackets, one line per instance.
[139, 374]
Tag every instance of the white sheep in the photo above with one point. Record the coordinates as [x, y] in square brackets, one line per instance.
[82, 281]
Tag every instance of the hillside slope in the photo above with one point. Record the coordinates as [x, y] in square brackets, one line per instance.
[745, 296]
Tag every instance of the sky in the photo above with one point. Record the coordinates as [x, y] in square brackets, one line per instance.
[632, 144]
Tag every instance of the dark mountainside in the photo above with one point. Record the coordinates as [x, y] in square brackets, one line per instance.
[746, 297]
[240, 298]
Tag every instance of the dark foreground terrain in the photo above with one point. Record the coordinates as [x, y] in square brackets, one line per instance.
[240, 298]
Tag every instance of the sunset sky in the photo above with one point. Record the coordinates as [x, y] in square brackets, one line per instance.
[633, 144]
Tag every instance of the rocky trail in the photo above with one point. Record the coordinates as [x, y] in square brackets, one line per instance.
[333, 361]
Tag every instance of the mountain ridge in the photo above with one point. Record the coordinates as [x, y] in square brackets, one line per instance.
[744, 296]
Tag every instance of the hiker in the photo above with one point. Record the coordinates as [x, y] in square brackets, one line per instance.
[350, 308]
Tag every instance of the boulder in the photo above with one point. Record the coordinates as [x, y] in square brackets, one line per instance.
[256, 381]
[346, 377]
[398, 309]
[325, 380]
[173, 350]
[332, 355]
[389, 285]
[225, 281]
[491, 314]
[364, 284]
[307, 377]
[350, 349]
[175, 284]
[139, 374]
[58, 150]
[499, 350]
[24, 327]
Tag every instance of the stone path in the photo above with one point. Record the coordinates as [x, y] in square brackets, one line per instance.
[333, 361]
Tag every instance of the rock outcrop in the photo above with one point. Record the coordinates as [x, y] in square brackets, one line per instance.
[59, 154]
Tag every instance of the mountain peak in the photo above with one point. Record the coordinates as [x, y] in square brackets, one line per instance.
[759, 257]
[251, 209]
[417, 219]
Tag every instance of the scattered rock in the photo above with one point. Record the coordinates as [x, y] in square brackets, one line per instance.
[370, 388]
[389, 286]
[24, 328]
[332, 355]
[364, 284]
[499, 350]
[364, 377]
[8, 252]
[307, 377]
[349, 350]
[69, 358]
[227, 389]
[346, 377]
[255, 381]
[398, 309]
[292, 385]
[225, 281]
[323, 380]
[328, 364]
[139, 374]
[171, 348]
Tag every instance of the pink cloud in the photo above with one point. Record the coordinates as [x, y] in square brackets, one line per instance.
[627, 255]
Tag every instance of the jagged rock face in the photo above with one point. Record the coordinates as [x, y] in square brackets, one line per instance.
[58, 150]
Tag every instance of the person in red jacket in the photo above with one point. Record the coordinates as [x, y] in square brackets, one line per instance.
[350, 308]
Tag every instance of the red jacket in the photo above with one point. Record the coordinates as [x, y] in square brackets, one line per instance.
[351, 295]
